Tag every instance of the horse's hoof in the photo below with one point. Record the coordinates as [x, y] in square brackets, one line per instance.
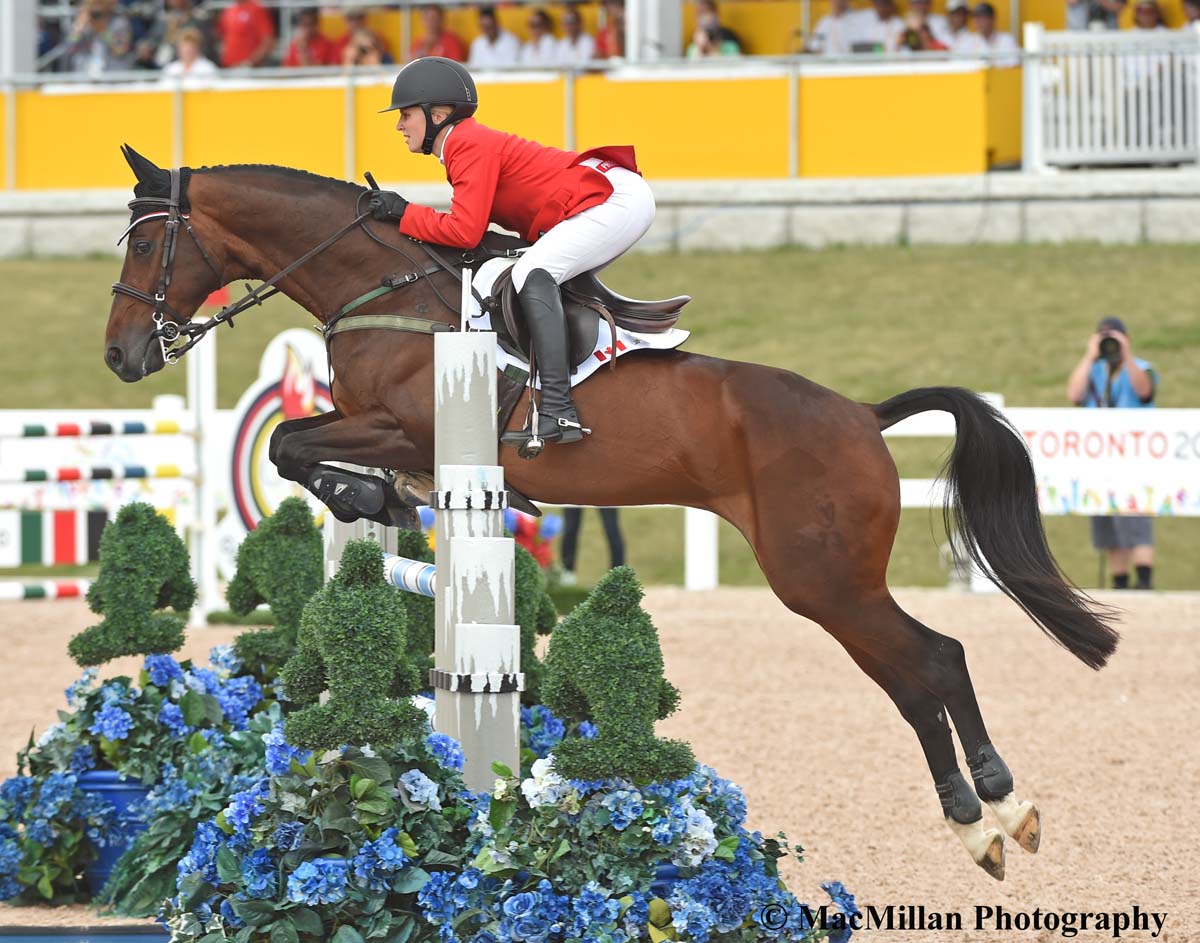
[993, 857]
[1021, 820]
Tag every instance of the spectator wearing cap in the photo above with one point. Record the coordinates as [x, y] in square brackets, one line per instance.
[247, 34]
[986, 40]
[577, 46]
[1109, 376]
[493, 46]
[541, 49]
[881, 28]
[1093, 14]
[838, 31]
[436, 40]
[309, 46]
[957, 15]
[366, 40]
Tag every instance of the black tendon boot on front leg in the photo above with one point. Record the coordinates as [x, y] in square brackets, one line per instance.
[557, 418]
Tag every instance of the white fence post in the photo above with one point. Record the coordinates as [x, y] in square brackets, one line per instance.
[202, 404]
[1031, 94]
[700, 549]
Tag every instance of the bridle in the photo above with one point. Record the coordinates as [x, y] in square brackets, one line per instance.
[169, 324]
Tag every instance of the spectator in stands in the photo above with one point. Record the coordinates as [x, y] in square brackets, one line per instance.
[1191, 13]
[178, 16]
[247, 34]
[309, 46]
[1110, 377]
[365, 47]
[1147, 15]
[190, 62]
[938, 24]
[839, 29]
[957, 14]
[881, 29]
[541, 49]
[437, 40]
[706, 15]
[356, 22]
[918, 37]
[572, 517]
[493, 46]
[577, 46]
[1093, 14]
[100, 39]
[610, 41]
[707, 42]
[143, 55]
[986, 40]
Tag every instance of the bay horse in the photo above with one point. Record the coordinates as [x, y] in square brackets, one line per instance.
[802, 472]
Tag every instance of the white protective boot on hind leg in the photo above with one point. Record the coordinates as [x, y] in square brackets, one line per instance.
[964, 815]
[1020, 819]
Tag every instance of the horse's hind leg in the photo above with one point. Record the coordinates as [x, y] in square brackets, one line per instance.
[927, 716]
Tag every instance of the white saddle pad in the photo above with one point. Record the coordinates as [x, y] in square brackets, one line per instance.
[626, 341]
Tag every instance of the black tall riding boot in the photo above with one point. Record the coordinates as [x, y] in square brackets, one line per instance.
[558, 420]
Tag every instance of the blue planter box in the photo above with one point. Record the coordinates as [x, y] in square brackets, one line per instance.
[122, 793]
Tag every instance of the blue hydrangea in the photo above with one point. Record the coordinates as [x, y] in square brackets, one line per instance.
[844, 901]
[230, 915]
[214, 738]
[258, 874]
[377, 861]
[10, 863]
[624, 807]
[545, 730]
[587, 730]
[318, 882]
[692, 917]
[15, 794]
[203, 681]
[83, 758]
[56, 794]
[637, 916]
[289, 836]
[533, 916]
[202, 856]
[162, 669]
[594, 915]
[116, 693]
[112, 723]
[280, 753]
[238, 697]
[40, 831]
[78, 691]
[245, 806]
[446, 750]
[224, 658]
[447, 896]
[171, 793]
[420, 790]
[170, 715]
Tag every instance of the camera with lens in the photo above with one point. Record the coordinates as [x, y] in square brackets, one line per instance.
[1110, 348]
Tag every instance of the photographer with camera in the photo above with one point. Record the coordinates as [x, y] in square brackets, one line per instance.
[101, 40]
[1110, 377]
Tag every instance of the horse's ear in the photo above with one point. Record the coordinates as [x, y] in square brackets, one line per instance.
[144, 169]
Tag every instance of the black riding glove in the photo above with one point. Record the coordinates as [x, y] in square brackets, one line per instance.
[387, 206]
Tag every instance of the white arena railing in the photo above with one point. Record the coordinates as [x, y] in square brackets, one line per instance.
[1105, 98]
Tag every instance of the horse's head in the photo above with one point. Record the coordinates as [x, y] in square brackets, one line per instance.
[166, 276]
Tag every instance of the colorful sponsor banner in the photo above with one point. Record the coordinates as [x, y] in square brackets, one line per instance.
[1114, 461]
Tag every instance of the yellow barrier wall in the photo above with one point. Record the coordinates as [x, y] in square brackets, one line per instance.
[3, 136]
[689, 129]
[893, 125]
[73, 140]
[295, 127]
[1003, 116]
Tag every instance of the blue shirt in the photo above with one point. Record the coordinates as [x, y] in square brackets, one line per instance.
[1120, 394]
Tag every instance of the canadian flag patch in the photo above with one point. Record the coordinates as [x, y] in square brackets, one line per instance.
[604, 355]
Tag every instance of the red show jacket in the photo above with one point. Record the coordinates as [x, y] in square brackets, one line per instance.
[521, 185]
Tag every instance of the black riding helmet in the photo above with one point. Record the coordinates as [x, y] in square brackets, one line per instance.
[435, 80]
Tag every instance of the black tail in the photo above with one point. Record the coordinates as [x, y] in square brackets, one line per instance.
[992, 517]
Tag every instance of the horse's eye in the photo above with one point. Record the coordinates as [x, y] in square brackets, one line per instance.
[142, 247]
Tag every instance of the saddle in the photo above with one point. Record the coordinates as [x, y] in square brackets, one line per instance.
[586, 301]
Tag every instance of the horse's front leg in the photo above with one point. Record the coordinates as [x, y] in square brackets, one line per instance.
[370, 439]
[291, 426]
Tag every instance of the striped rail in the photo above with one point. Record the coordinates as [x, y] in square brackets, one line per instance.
[51, 538]
[412, 576]
[63, 430]
[90, 473]
[13, 591]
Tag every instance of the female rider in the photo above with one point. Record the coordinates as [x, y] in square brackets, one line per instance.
[581, 211]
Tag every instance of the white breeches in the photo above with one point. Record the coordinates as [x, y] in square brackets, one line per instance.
[593, 238]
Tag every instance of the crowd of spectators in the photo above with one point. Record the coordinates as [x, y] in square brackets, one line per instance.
[114, 35]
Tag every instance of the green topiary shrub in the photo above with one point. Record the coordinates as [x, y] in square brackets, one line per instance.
[280, 563]
[605, 665]
[352, 641]
[535, 613]
[143, 568]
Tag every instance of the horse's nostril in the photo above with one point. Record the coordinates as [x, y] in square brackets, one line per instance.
[114, 357]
